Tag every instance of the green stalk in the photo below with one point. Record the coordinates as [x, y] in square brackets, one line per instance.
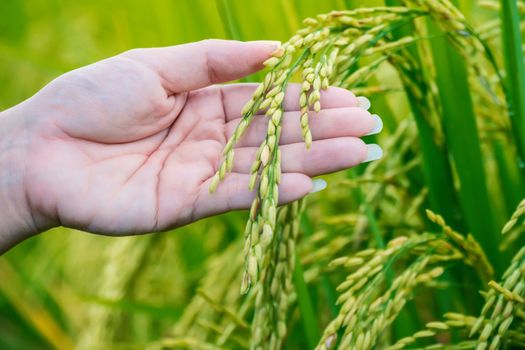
[327, 287]
[435, 164]
[436, 171]
[348, 4]
[436, 167]
[371, 218]
[459, 121]
[515, 77]
[291, 18]
[231, 26]
[308, 316]
[511, 182]
[372, 221]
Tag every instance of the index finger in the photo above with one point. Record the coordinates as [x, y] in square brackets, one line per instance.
[196, 65]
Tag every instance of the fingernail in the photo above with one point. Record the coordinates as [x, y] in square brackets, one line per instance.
[363, 102]
[274, 43]
[318, 185]
[378, 125]
[374, 152]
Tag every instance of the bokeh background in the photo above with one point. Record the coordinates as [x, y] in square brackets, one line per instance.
[68, 289]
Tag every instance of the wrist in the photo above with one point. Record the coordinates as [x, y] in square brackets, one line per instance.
[16, 219]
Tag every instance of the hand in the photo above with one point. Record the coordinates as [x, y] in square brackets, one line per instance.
[129, 144]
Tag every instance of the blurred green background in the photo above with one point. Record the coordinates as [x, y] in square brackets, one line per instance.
[42, 39]
[66, 289]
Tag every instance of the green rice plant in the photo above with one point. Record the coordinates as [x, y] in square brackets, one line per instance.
[124, 257]
[498, 325]
[364, 323]
[460, 127]
[513, 58]
[418, 86]
[314, 79]
[504, 300]
[273, 294]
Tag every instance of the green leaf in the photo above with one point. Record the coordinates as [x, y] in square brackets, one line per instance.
[462, 139]
[515, 68]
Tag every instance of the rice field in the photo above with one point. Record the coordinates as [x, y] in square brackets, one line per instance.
[423, 249]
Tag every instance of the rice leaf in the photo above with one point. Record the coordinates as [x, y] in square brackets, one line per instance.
[460, 126]
[515, 68]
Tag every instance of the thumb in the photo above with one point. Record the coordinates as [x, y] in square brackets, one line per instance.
[196, 65]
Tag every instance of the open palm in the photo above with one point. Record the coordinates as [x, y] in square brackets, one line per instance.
[129, 145]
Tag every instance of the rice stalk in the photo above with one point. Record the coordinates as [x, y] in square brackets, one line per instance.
[511, 230]
[470, 249]
[436, 166]
[503, 307]
[367, 307]
[511, 224]
[460, 123]
[222, 272]
[124, 257]
[514, 64]
[503, 300]
[328, 51]
[273, 293]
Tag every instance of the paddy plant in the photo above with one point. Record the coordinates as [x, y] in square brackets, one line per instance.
[347, 48]
[420, 250]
